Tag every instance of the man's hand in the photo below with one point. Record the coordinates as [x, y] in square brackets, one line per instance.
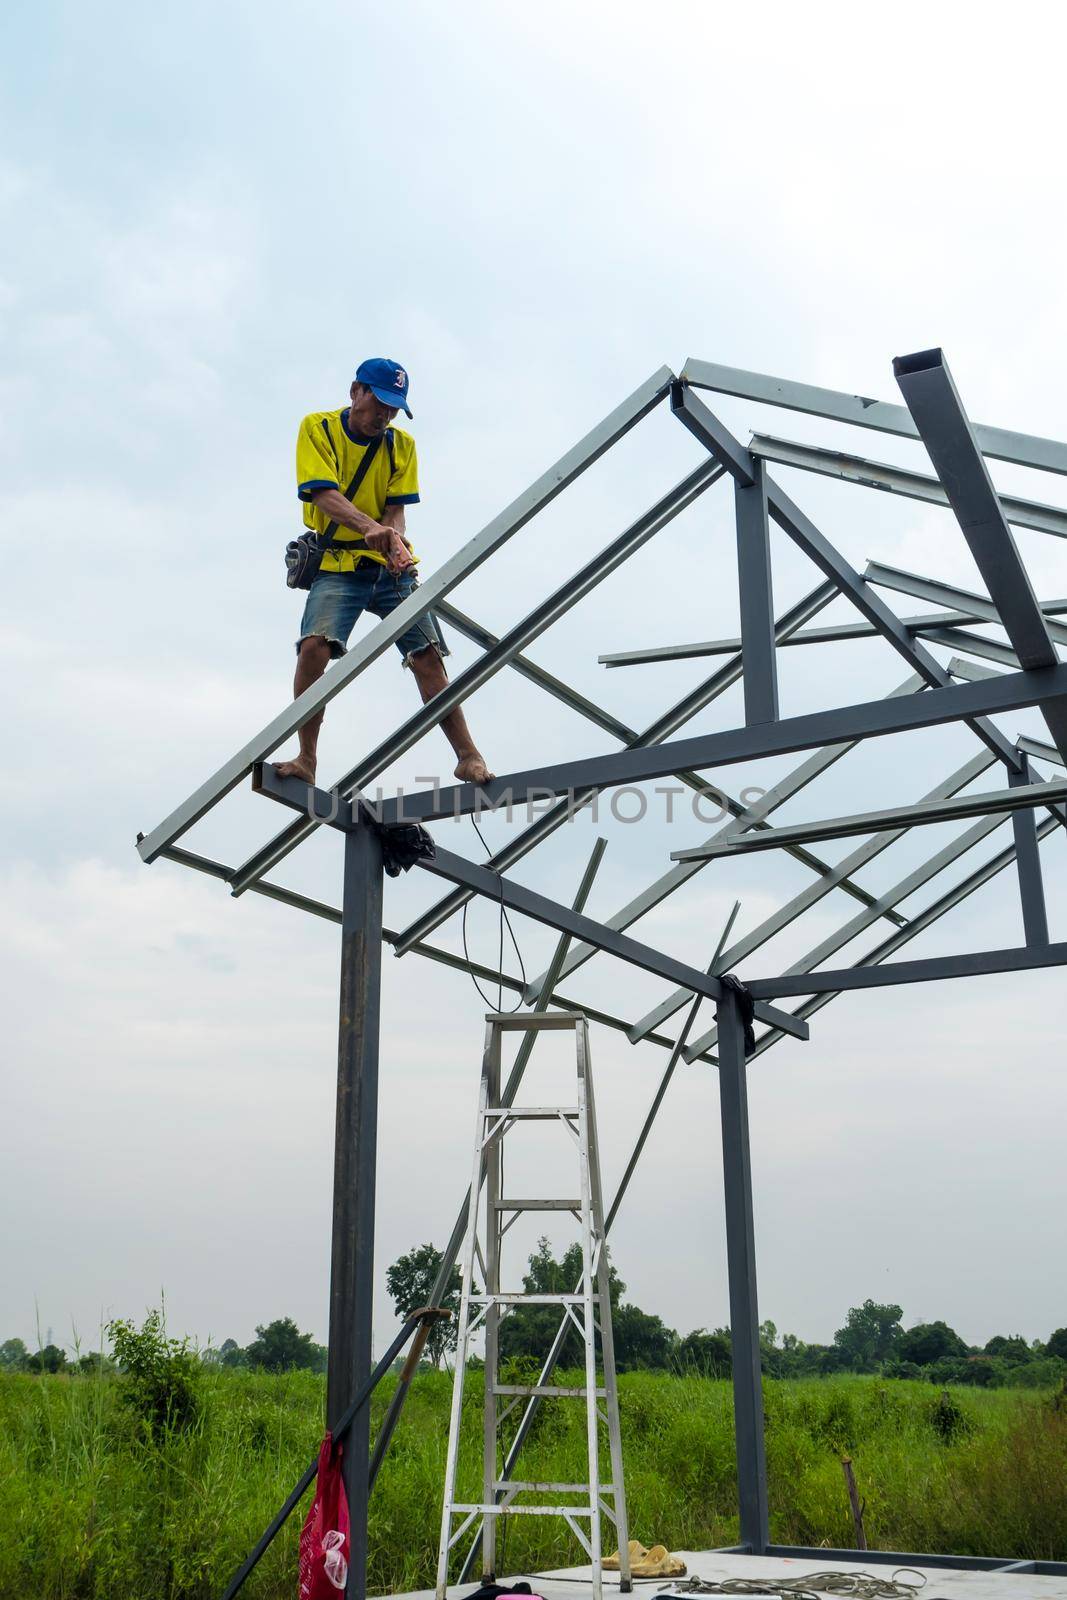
[389, 543]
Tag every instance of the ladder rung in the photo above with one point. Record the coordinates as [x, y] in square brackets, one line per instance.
[547, 1391]
[514, 1021]
[502, 1484]
[537, 1205]
[497, 1510]
[529, 1299]
[532, 1113]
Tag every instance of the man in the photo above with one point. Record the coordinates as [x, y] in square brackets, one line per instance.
[370, 566]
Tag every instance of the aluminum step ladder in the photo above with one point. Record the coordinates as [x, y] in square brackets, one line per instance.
[588, 1308]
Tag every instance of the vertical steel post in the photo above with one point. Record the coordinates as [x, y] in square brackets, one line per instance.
[757, 607]
[1028, 861]
[741, 1260]
[356, 1137]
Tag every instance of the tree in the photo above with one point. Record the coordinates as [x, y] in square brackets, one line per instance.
[641, 1340]
[870, 1335]
[704, 1352]
[13, 1356]
[281, 1347]
[928, 1342]
[1011, 1349]
[1057, 1345]
[50, 1359]
[410, 1282]
[530, 1330]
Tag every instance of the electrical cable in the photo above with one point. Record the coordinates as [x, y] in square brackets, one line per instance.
[854, 1585]
[504, 918]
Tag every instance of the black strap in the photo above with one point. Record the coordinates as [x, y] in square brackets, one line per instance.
[745, 1004]
[366, 462]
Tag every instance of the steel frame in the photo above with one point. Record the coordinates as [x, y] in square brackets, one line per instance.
[960, 691]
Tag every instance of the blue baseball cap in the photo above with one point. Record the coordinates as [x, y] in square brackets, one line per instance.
[387, 381]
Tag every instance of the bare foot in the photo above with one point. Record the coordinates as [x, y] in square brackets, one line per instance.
[300, 768]
[472, 769]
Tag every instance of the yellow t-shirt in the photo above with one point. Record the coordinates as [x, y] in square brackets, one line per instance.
[327, 456]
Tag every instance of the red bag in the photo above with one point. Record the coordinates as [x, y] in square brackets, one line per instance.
[324, 1542]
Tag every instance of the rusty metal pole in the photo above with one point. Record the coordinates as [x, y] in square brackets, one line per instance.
[355, 1148]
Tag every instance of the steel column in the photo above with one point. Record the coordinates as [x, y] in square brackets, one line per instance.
[355, 1150]
[757, 606]
[1028, 863]
[741, 1258]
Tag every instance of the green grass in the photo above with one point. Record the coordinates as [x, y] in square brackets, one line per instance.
[89, 1510]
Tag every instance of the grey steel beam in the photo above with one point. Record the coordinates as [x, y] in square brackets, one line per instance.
[943, 627]
[869, 719]
[355, 1148]
[901, 890]
[895, 480]
[792, 783]
[516, 897]
[938, 412]
[1024, 449]
[1020, 797]
[318, 908]
[971, 672]
[905, 1559]
[466, 560]
[979, 606]
[690, 704]
[759, 668]
[548, 611]
[810, 896]
[1043, 751]
[1028, 863]
[301, 796]
[741, 1263]
[716, 437]
[968, 964]
[918, 924]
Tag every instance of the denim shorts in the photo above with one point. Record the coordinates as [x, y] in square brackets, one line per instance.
[336, 599]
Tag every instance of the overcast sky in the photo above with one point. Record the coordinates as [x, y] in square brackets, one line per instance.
[212, 214]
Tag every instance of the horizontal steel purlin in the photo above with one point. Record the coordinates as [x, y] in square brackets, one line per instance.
[299, 796]
[466, 560]
[979, 606]
[787, 786]
[970, 964]
[526, 901]
[895, 480]
[318, 908]
[918, 924]
[785, 915]
[1022, 798]
[869, 719]
[1024, 449]
[904, 887]
[657, 731]
[943, 627]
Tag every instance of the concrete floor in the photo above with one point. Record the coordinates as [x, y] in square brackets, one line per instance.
[572, 1583]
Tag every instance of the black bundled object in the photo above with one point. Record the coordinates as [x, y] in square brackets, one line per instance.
[403, 845]
[746, 1005]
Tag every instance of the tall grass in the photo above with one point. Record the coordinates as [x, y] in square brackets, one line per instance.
[91, 1508]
